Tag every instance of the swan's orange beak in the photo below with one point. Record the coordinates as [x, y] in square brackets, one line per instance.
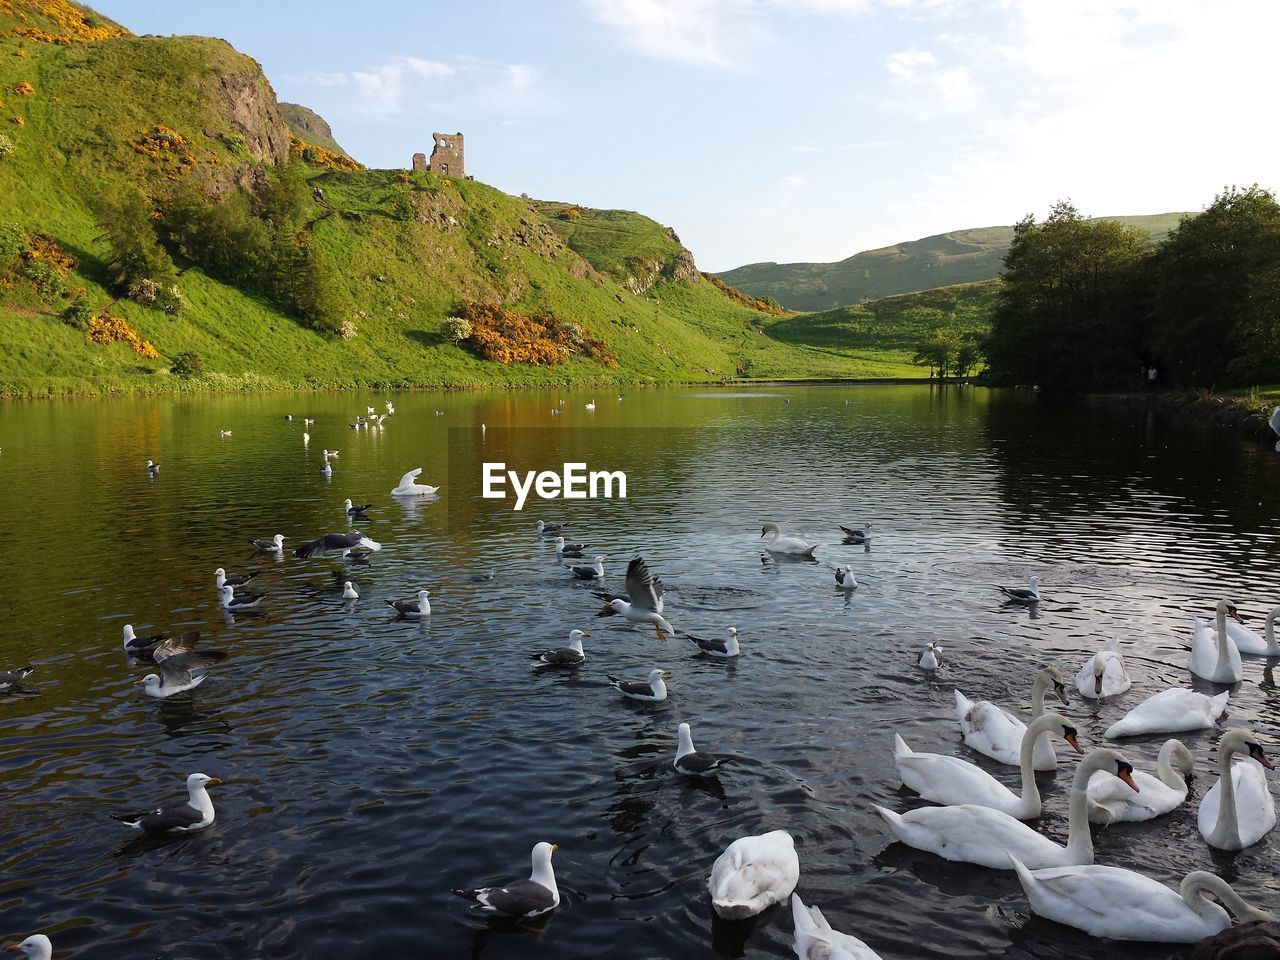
[1125, 773]
[1255, 751]
[1071, 739]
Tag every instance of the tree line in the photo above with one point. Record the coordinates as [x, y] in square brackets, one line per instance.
[1093, 305]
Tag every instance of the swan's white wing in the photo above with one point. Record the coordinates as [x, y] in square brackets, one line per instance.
[950, 780]
[1255, 807]
[408, 478]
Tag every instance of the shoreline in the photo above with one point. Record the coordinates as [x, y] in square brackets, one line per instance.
[1230, 412]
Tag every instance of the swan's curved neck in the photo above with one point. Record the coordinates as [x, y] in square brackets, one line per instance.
[1079, 838]
[1043, 683]
[1166, 771]
[1038, 728]
[1196, 885]
[1226, 832]
[1224, 657]
[1273, 648]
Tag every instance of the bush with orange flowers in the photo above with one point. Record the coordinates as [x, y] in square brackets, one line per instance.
[106, 330]
[320, 157]
[70, 24]
[541, 339]
[24, 89]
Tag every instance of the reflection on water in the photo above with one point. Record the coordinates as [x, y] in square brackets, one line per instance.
[370, 763]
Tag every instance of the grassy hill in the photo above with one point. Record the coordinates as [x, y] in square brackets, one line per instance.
[888, 330]
[92, 111]
[962, 256]
[308, 125]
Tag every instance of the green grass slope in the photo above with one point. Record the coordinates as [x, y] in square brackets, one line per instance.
[888, 330]
[962, 256]
[410, 250]
[305, 124]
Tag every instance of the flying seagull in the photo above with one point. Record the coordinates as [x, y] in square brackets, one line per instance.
[158, 646]
[180, 672]
[335, 541]
[643, 600]
[195, 814]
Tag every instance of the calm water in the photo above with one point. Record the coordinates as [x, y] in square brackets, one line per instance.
[371, 764]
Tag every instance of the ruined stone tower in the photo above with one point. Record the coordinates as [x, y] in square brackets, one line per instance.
[446, 155]
[419, 163]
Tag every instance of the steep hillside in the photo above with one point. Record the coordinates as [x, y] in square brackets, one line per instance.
[94, 113]
[305, 124]
[963, 256]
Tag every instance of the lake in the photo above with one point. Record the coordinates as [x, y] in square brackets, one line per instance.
[370, 764]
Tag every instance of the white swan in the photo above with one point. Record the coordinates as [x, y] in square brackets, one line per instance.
[1103, 674]
[786, 543]
[815, 940]
[1238, 810]
[973, 834]
[997, 733]
[1111, 800]
[1213, 653]
[1169, 711]
[1247, 641]
[753, 873]
[950, 780]
[410, 488]
[1123, 905]
[1275, 421]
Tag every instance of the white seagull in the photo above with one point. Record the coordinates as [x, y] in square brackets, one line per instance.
[1023, 594]
[521, 898]
[651, 690]
[726, 648]
[643, 603]
[196, 814]
[419, 607]
[569, 656]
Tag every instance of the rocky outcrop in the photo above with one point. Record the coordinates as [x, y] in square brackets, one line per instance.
[248, 101]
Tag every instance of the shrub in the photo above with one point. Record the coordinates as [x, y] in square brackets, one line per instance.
[143, 290]
[24, 89]
[170, 299]
[106, 330]
[13, 242]
[346, 329]
[78, 313]
[45, 278]
[7, 146]
[456, 329]
[541, 339]
[187, 365]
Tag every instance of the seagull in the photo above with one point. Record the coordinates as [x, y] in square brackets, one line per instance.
[1022, 594]
[195, 814]
[330, 454]
[569, 656]
[336, 541]
[549, 529]
[643, 603]
[651, 690]
[224, 433]
[180, 672]
[521, 898]
[931, 658]
[349, 591]
[728, 647]
[221, 579]
[391, 407]
[439, 413]
[36, 947]
[12, 678]
[369, 410]
[593, 572]
[689, 760]
[421, 607]
[306, 437]
[308, 422]
[409, 487]
[233, 604]
[274, 545]
[157, 646]
[569, 549]
[354, 511]
[845, 580]
[288, 416]
[153, 468]
[856, 536]
[326, 469]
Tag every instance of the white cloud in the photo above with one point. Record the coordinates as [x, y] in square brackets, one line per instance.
[688, 31]
[383, 87]
[907, 64]
[926, 90]
[520, 76]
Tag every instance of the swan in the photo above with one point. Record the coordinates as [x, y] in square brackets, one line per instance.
[996, 733]
[1275, 421]
[1123, 905]
[1111, 801]
[972, 834]
[409, 487]
[1103, 674]
[815, 940]
[1249, 642]
[931, 657]
[1169, 711]
[1213, 653]
[950, 780]
[786, 543]
[1238, 810]
[752, 874]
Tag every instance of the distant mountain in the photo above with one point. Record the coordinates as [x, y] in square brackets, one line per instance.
[962, 256]
[306, 124]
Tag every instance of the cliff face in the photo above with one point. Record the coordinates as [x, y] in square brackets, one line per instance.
[308, 125]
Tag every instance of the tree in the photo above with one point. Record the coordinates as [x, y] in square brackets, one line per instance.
[134, 252]
[1217, 291]
[939, 352]
[1070, 313]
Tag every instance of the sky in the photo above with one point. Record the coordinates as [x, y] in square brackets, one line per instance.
[787, 130]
